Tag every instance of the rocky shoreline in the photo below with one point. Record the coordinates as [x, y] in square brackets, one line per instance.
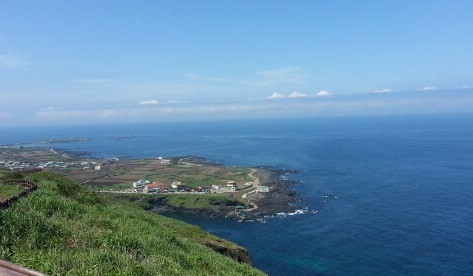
[280, 199]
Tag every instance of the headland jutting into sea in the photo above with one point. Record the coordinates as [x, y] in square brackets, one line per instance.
[241, 193]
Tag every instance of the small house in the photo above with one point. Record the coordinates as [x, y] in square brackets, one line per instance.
[138, 185]
[231, 185]
[153, 187]
[175, 184]
[263, 189]
[164, 188]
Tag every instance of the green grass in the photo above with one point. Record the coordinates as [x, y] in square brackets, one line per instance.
[63, 228]
[7, 191]
[195, 176]
[4, 172]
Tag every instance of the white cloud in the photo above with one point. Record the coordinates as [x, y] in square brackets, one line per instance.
[276, 96]
[429, 88]
[466, 87]
[13, 62]
[323, 93]
[384, 90]
[296, 94]
[149, 102]
[361, 104]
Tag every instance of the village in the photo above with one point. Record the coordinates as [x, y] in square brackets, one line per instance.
[156, 175]
[17, 158]
[186, 181]
[145, 186]
[15, 165]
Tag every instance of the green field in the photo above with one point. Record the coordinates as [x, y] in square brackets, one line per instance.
[195, 176]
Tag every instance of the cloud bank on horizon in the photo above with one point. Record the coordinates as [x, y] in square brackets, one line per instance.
[274, 106]
[203, 61]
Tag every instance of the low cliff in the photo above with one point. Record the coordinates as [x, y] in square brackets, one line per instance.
[238, 254]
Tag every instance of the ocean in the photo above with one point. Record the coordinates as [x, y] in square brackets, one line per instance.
[393, 195]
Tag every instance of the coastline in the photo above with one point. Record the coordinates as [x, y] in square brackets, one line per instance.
[279, 199]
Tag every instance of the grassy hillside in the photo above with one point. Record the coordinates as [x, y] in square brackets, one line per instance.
[62, 228]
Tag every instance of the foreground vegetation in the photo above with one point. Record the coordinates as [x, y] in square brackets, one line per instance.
[7, 190]
[63, 228]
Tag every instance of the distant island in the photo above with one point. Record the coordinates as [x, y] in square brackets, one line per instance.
[69, 140]
[49, 141]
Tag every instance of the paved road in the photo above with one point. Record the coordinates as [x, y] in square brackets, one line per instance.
[255, 186]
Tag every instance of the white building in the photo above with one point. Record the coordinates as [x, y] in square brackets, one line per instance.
[140, 183]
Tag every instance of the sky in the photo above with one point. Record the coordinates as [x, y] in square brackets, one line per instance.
[75, 62]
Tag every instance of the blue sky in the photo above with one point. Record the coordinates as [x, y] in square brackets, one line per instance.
[68, 62]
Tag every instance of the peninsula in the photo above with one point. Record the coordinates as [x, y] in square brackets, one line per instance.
[186, 184]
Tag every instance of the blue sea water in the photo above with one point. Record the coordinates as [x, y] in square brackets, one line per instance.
[400, 188]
